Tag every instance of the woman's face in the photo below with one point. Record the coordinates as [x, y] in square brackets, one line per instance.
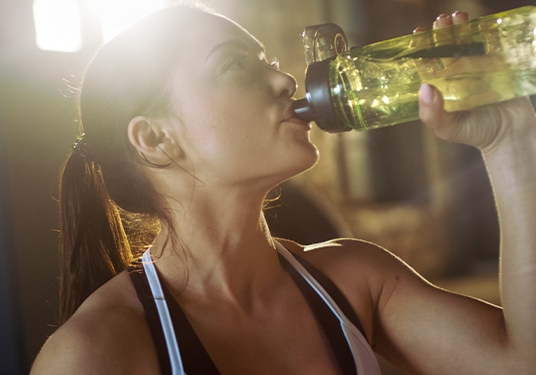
[232, 109]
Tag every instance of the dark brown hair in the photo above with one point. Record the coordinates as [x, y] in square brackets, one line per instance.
[109, 209]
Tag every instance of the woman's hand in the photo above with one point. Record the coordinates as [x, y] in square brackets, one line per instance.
[483, 127]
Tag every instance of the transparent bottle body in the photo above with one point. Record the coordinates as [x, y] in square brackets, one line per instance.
[487, 60]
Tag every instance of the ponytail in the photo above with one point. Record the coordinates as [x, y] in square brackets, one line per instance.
[105, 194]
[93, 245]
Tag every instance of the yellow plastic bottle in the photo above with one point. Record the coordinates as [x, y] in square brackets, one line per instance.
[483, 61]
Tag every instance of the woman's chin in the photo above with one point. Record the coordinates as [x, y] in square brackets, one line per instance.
[303, 164]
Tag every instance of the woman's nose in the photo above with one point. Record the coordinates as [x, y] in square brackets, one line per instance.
[284, 85]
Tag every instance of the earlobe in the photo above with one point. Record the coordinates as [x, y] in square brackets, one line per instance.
[152, 139]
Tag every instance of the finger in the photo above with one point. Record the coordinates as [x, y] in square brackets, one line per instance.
[443, 36]
[418, 30]
[442, 20]
[463, 34]
[419, 41]
[459, 17]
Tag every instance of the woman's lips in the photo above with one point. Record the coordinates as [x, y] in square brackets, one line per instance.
[299, 121]
[290, 116]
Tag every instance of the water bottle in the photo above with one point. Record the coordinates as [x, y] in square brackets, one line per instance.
[483, 61]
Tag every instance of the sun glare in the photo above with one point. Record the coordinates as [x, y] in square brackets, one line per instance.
[118, 15]
[57, 25]
[57, 22]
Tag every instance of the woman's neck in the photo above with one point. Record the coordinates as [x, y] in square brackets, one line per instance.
[220, 247]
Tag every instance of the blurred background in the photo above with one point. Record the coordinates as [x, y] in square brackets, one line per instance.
[426, 200]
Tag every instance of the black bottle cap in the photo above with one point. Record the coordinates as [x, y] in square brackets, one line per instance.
[317, 105]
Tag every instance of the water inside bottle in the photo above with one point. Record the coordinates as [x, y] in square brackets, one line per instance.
[372, 89]
[395, 99]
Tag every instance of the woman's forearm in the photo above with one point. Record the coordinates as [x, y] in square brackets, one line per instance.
[511, 164]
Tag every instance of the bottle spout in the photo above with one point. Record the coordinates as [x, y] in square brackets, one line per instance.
[303, 110]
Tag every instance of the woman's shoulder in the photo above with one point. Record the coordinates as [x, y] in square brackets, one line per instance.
[357, 257]
[107, 334]
[364, 272]
[353, 263]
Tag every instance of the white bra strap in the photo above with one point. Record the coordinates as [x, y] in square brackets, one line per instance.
[346, 324]
[163, 312]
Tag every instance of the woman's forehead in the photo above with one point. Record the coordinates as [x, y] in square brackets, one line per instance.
[211, 30]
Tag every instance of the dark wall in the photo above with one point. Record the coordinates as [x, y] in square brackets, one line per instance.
[37, 129]
[11, 345]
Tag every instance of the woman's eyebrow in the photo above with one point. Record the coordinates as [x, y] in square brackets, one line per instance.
[231, 43]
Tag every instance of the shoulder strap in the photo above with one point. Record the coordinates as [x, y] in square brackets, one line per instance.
[169, 326]
[333, 291]
[364, 357]
[326, 319]
[163, 314]
[139, 280]
[194, 356]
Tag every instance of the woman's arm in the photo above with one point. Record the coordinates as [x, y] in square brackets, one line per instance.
[425, 330]
[506, 135]
[429, 331]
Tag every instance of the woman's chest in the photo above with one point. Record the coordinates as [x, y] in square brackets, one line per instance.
[289, 341]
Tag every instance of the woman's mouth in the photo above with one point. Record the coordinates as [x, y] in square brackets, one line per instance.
[290, 116]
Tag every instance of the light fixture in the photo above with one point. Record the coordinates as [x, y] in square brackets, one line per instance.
[57, 25]
[57, 22]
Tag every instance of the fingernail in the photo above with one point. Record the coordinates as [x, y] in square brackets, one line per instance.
[460, 14]
[427, 93]
[444, 15]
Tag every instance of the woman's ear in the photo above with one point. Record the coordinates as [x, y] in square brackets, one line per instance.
[154, 138]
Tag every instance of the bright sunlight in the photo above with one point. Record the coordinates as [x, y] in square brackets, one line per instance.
[58, 27]
[118, 15]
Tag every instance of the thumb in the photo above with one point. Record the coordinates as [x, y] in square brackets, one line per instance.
[430, 105]
[433, 114]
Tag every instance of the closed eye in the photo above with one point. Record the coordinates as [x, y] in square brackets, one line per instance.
[236, 62]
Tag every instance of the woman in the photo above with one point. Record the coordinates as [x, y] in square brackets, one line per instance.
[185, 133]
